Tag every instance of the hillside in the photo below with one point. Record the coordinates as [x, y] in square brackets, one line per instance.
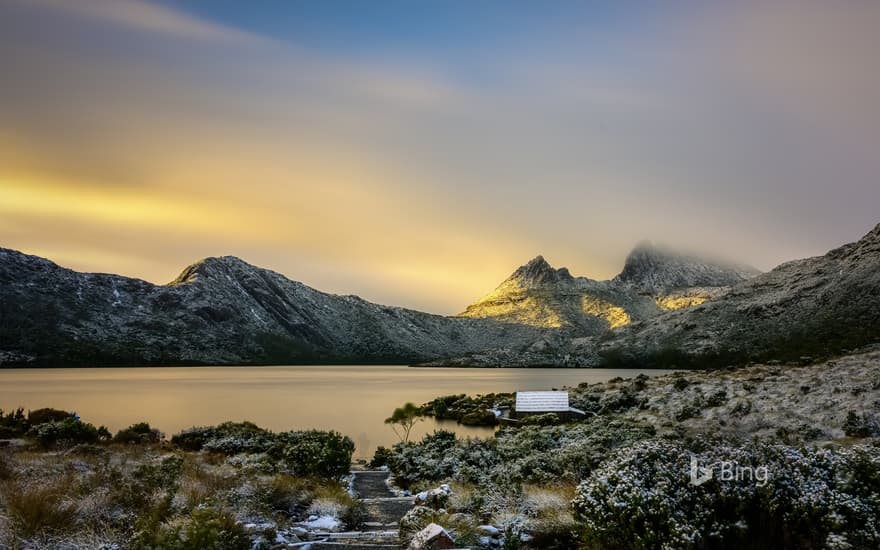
[664, 309]
[801, 310]
[218, 311]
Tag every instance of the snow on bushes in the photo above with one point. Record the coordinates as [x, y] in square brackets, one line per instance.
[310, 452]
[642, 497]
[528, 454]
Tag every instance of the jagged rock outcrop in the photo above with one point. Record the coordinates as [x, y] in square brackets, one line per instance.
[218, 311]
[801, 310]
[657, 271]
[653, 280]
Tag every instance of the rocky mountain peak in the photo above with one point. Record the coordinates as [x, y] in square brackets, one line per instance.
[212, 268]
[538, 272]
[655, 269]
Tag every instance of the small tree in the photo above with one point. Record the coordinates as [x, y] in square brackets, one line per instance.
[404, 418]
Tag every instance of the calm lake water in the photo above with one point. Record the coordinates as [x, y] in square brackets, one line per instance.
[353, 400]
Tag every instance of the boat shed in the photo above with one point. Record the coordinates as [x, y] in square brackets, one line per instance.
[542, 402]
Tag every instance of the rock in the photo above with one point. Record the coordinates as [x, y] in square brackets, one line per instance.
[432, 537]
[435, 498]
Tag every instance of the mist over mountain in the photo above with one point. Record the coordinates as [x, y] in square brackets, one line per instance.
[663, 309]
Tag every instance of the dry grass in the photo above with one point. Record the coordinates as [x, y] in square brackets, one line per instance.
[39, 510]
[5, 466]
[86, 498]
[201, 482]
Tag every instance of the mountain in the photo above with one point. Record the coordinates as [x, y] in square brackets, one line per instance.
[653, 280]
[664, 309]
[218, 311]
[657, 271]
[799, 311]
[538, 295]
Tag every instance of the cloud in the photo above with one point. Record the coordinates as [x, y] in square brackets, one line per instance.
[404, 182]
[147, 17]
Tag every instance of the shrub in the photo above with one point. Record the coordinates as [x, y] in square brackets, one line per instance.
[380, 457]
[67, 432]
[205, 529]
[717, 399]
[857, 425]
[681, 383]
[465, 409]
[688, 411]
[288, 495]
[13, 424]
[159, 474]
[640, 382]
[354, 516]
[479, 418]
[642, 497]
[42, 416]
[138, 433]
[546, 419]
[314, 452]
[539, 454]
[228, 438]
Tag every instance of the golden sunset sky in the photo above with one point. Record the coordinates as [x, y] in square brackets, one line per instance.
[417, 153]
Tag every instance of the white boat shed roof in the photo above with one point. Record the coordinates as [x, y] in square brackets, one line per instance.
[542, 401]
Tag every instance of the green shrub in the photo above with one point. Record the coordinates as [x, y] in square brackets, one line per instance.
[857, 425]
[717, 399]
[380, 457]
[67, 432]
[546, 419]
[354, 516]
[13, 424]
[205, 529]
[688, 411]
[314, 452]
[681, 383]
[159, 474]
[479, 418]
[287, 495]
[228, 438]
[42, 416]
[138, 433]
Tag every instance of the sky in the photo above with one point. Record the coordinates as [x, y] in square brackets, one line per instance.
[416, 153]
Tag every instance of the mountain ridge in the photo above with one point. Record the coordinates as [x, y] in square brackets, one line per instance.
[223, 310]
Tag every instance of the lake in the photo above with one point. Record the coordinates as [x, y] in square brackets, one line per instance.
[353, 400]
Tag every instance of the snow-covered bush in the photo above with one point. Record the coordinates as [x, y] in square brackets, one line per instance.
[138, 433]
[229, 438]
[643, 497]
[68, 432]
[204, 528]
[314, 452]
[527, 454]
[861, 425]
[311, 452]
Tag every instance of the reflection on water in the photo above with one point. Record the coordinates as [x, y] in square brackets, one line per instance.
[353, 400]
